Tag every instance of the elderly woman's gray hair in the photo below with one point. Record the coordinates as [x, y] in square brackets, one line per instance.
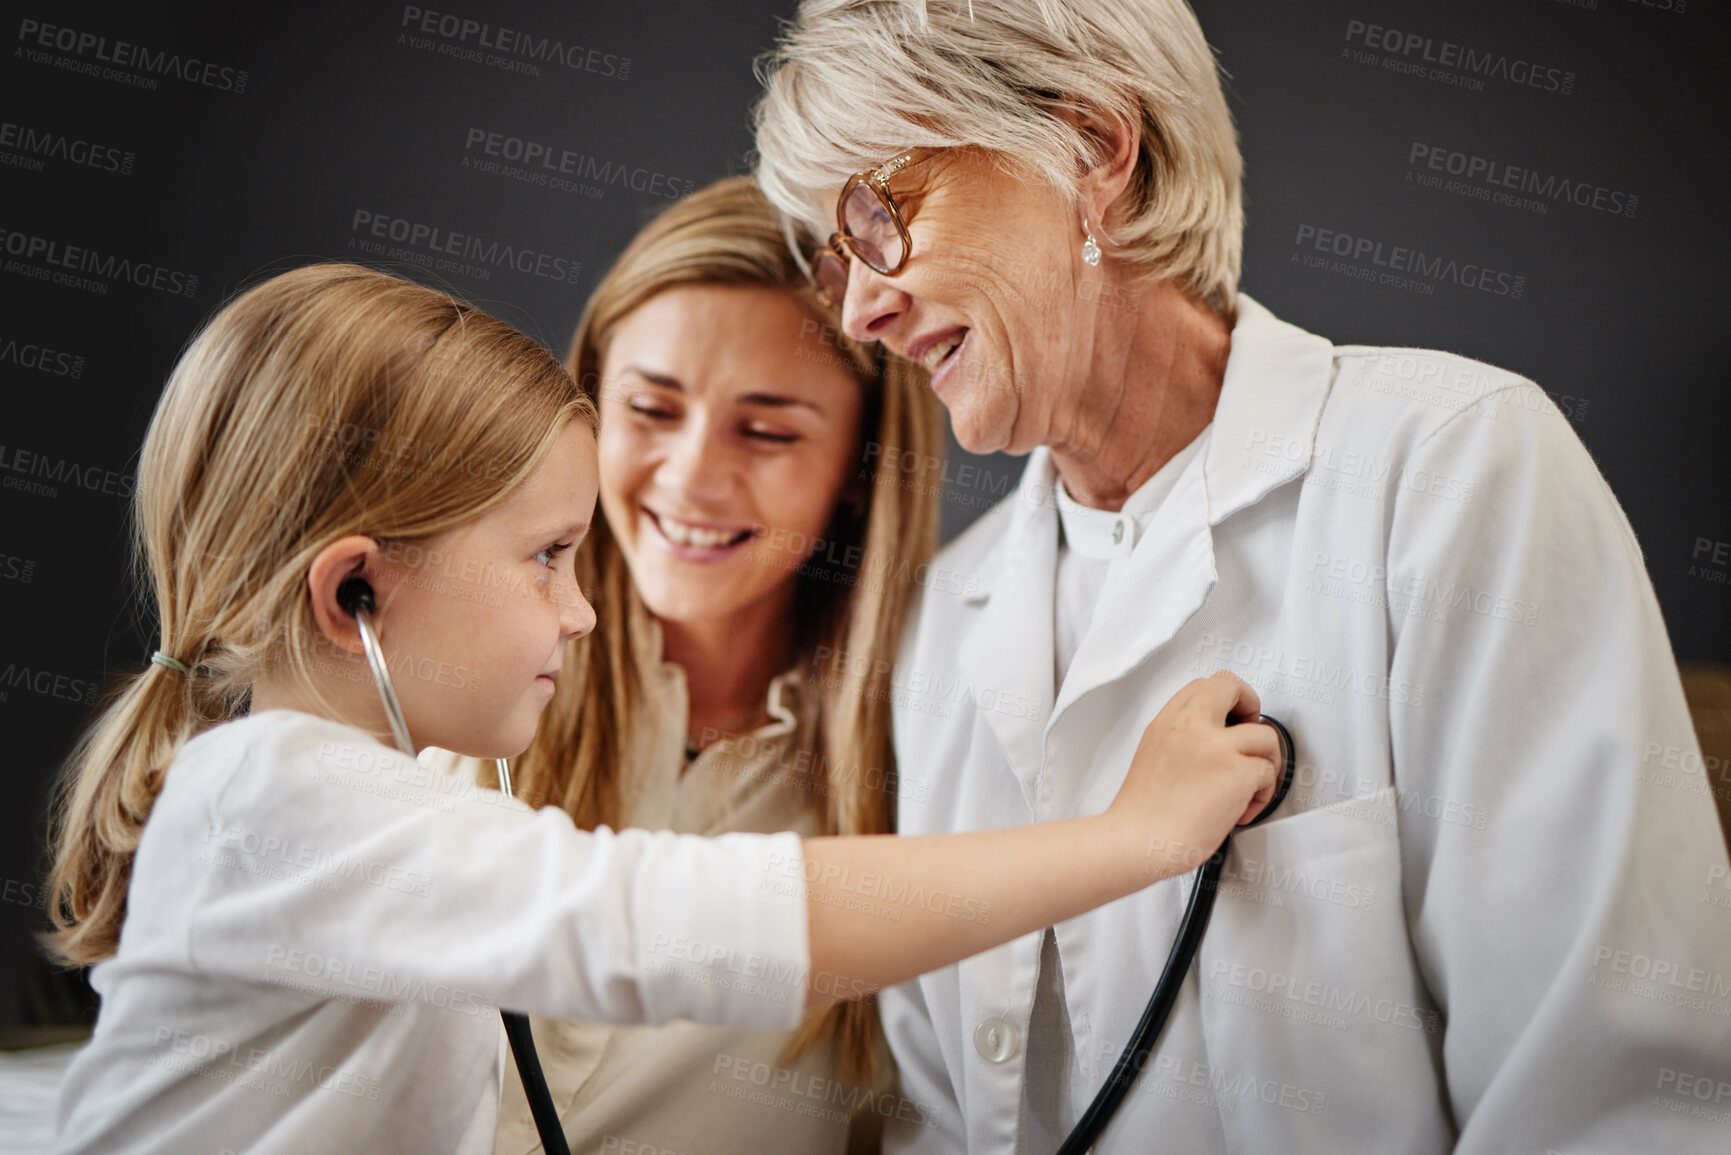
[853, 82]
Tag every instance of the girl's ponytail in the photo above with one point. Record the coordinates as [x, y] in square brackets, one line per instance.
[111, 784]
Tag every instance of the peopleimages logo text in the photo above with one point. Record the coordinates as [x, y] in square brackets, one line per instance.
[564, 162]
[1403, 259]
[123, 54]
[47, 254]
[462, 31]
[1459, 57]
[433, 240]
[45, 143]
[1519, 178]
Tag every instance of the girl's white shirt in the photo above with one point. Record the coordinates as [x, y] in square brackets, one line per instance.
[320, 930]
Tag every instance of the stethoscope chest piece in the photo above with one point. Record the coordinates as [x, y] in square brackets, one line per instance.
[1283, 772]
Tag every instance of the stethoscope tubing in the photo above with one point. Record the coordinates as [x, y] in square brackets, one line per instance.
[1196, 914]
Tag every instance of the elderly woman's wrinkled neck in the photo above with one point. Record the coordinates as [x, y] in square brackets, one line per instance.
[1150, 388]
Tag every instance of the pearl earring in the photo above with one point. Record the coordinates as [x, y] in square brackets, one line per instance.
[1090, 248]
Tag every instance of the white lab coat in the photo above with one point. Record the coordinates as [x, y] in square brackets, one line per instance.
[1493, 914]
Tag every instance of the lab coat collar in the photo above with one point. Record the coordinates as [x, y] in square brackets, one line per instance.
[1277, 377]
[1006, 659]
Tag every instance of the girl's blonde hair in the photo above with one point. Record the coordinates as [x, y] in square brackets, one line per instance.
[327, 401]
[854, 82]
[848, 624]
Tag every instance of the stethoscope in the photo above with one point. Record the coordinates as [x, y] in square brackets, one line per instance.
[355, 596]
[1147, 1032]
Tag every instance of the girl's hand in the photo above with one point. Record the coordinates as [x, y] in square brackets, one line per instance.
[1193, 777]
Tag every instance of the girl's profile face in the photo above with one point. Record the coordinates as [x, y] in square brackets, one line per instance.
[729, 432]
[476, 619]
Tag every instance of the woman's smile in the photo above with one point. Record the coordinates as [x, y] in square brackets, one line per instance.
[943, 355]
[696, 541]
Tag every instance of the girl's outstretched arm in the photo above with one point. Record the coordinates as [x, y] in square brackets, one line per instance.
[884, 908]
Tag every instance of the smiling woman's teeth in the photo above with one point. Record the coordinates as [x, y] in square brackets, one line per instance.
[938, 352]
[682, 534]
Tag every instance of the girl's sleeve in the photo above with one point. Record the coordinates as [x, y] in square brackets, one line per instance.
[332, 865]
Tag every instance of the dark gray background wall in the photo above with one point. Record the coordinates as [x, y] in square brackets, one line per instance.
[301, 127]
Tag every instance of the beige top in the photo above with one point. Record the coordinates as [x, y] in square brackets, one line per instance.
[684, 1088]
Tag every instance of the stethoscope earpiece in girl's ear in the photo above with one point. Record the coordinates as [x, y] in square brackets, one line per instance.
[354, 595]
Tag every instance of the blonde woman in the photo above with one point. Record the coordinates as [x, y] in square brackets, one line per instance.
[751, 571]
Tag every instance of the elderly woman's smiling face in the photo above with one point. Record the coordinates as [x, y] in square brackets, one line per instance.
[994, 298]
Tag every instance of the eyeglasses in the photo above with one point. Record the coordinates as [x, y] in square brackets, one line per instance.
[869, 226]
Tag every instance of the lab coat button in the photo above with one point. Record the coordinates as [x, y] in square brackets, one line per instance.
[1118, 531]
[996, 1040]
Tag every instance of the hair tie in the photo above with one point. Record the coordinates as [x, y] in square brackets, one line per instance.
[163, 659]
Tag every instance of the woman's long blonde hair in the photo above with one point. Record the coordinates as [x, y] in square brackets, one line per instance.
[728, 234]
[326, 401]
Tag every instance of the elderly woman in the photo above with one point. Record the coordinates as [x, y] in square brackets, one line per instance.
[1475, 924]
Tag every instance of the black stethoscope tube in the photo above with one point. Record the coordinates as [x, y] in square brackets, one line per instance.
[547, 1123]
[1196, 914]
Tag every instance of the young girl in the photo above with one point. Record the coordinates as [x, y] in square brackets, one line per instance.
[301, 934]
